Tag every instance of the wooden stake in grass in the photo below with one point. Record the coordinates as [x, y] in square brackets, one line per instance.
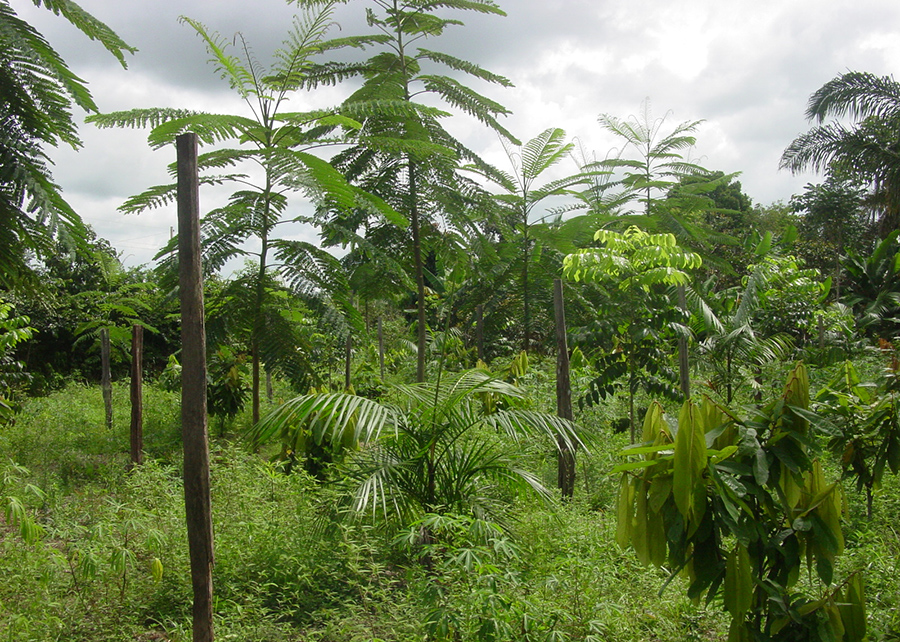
[566, 456]
[137, 400]
[194, 433]
[105, 378]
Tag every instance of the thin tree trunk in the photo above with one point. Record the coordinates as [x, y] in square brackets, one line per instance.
[421, 334]
[479, 330]
[348, 350]
[137, 397]
[198, 510]
[270, 391]
[381, 348]
[566, 452]
[684, 370]
[526, 312]
[105, 377]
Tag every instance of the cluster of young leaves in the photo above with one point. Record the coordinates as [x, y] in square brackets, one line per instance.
[634, 259]
[736, 506]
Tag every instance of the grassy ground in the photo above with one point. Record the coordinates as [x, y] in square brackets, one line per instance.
[283, 572]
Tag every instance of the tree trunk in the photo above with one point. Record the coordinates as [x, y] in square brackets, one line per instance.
[198, 510]
[105, 377]
[684, 370]
[479, 331]
[421, 334]
[526, 312]
[566, 452]
[137, 397]
[348, 350]
[381, 348]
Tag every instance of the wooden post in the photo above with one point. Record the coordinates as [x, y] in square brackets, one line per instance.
[105, 377]
[137, 397]
[566, 456]
[381, 348]
[684, 370]
[197, 506]
[479, 330]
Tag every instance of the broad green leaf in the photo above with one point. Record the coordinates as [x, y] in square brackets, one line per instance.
[690, 460]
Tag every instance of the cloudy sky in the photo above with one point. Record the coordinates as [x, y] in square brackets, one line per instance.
[746, 67]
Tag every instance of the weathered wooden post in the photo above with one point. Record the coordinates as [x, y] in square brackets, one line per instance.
[105, 376]
[197, 506]
[137, 397]
[566, 456]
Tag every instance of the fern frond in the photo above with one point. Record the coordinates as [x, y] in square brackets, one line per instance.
[90, 26]
[464, 66]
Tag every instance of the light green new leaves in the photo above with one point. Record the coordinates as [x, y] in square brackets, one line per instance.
[689, 462]
[634, 258]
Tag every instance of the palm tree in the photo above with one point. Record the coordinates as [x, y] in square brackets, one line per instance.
[728, 340]
[437, 449]
[37, 92]
[866, 152]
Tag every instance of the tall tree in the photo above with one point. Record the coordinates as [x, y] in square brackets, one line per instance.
[633, 331]
[834, 220]
[864, 152]
[530, 163]
[660, 161]
[404, 149]
[37, 93]
[277, 145]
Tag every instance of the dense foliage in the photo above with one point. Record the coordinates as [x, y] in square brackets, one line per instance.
[352, 504]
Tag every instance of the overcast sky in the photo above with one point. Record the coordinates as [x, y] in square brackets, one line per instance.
[747, 67]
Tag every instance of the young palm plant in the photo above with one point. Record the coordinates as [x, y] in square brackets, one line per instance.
[436, 449]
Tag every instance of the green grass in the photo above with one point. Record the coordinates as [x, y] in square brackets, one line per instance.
[282, 574]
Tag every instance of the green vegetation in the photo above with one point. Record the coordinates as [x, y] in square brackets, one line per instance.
[393, 475]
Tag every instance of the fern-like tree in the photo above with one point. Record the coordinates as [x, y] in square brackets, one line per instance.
[404, 153]
[524, 190]
[660, 161]
[277, 146]
[37, 94]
